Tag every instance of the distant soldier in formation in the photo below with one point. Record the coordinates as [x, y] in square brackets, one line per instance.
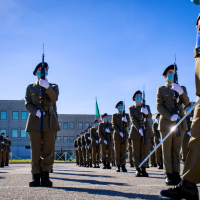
[88, 148]
[7, 152]
[152, 158]
[140, 150]
[94, 135]
[120, 136]
[83, 148]
[165, 106]
[80, 154]
[157, 140]
[2, 149]
[130, 153]
[76, 147]
[105, 134]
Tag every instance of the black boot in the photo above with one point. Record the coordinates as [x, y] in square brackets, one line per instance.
[104, 165]
[160, 166]
[98, 165]
[154, 165]
[45, 180]
[168, 179]
[84, 165]
[138, 172]
[144, 173]
[176, 178]
[108, 165]
[94, 166]
[90, 164]
[2, 164]
[51, 170]
[36, 180]
[185, 190]
[124, 168]
[6, 164]
[132, 165]
[87, 165]
[80, 165]
[118, 168]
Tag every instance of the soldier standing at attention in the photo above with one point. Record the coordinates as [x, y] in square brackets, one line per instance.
[76, 147]
[41, 167]
[1, 151]
[130, 153]
[120, 136]
[165, 106]
[140, 150]
[95, 145]
[152, 158]
[83, 148]
[105, 135]
[157, 140]
[88, 148]
[187, 189]
[80, 155]
[7, 152]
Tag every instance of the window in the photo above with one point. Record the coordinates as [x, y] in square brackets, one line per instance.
[65, 139]
[71, 139]
[23, 133]
[3, 131]
[24, 115]
[15, 115]
[80, 125]
[3, 114]
[58, 139]
[65, 125]
[60, 125]
[15, 133]
[86, 125]
[71, 125]
[92, 124]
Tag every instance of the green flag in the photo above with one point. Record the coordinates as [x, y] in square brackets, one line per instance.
[97, 110]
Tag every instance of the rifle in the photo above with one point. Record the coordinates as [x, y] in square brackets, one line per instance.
[175, 97]
[124, 124]
[143, 117]
[42, 90]
[107, 135]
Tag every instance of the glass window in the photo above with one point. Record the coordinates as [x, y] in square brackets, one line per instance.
[3, 131]
[71, 125]
[65, 125]
[92, 124]
[58, 139]
[24, 115]
[23, 133]
[86, 125]
[71, 139]
[15, 133]
[60, 125]
[15, 115]
[3, 114]
[80, 125]
[65, 139]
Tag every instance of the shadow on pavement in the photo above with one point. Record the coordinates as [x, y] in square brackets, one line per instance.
[73, 170]
[110, 193]
[91, 181]
[84, 175]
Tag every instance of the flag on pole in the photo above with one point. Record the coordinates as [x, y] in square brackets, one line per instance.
[97, 110]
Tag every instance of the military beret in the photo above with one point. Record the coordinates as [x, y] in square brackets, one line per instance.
[89, 127]
[96, 120]
[157, 115]
[137, 92]
[40, 65]
[3, 133]
[168, 68]
[120, 102]
[186, 106]
[105, 114]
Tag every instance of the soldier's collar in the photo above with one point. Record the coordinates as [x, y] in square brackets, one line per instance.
[137, 105]
[168, 85]
[36, 83]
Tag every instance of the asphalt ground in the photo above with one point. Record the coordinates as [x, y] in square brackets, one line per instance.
[73, 182]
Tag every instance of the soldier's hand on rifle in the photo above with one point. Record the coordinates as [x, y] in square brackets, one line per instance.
[177, 88]
[38, 113]
[105, 142]
[97, 131]
[174, 117]
[141, 131]
[76, 148]
[121, 134]
[145, 111]
[97, 141]
[131, 145]
[160, 140]
[44, 83]
[189, 133]
[124, 119]
[89, 138]
[107, 130]
[88, 147]
[191, 119]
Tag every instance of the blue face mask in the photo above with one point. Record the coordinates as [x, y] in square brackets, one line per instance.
[138, 99]
[170, 77]
[89, 129]
[187, 109]
[158, 118]
[39, 74]
[96, 124]
[105, 119]
[120, 108]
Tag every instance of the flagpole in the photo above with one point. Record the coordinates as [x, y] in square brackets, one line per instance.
[95, 107]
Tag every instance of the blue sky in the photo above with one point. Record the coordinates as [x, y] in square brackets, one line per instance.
[96, 48]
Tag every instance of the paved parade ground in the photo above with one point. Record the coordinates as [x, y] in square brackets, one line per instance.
[72, 182]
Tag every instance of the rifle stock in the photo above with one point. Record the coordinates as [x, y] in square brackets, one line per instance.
[143, 119]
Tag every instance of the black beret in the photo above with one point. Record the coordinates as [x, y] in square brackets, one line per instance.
[40, 65]
[96, 120]
[137, 92]
[186, 106]
[89, 127]
[157, 115]
[120, 102]
[168, 68]
[105, 114]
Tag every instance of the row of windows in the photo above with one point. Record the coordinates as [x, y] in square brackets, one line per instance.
[65, 139]
[15, 133]
[72, 126]
[15, 115]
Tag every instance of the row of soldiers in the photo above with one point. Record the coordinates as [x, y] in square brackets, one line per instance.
[5, 144]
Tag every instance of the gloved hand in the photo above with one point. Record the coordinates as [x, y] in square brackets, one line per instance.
[76, 148]
[145, 111]
[1, 149]
[105, 142]
[177, 88]
[107, 130]
[88, 147]
[124, 119]
[97, 141]
[38, 113]
[141, 131]
[121, 134]
[189, 133]
[174, 117]
[2, 142]
[191, 119]
[81, 147]
[97, 131]
[44, 83]
[131, 145]
[160, 140]
[89, 138]
[85, 147]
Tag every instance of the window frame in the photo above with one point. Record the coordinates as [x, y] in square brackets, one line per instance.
[65, 137]
[71, 137]
[12, 115]
[78, 125]
[17, 133]
[60, 139]
[21, 133]
[87, 126]
[4, 131]
[70, 127]
[22, 115]
[67, 125]
[6, 115]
